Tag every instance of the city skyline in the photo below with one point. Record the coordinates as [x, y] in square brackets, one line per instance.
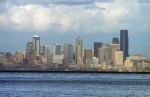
[61, 21]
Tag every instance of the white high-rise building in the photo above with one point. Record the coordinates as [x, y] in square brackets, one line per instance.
[36, 45]
[68, 51]
[79, 49]
[56, 49]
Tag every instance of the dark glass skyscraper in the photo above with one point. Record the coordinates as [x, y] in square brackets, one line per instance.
[124, 43]
[115, 40]
[96, 46]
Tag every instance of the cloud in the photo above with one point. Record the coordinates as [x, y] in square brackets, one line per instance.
[144, 1]
[57, 16]
[65, 2]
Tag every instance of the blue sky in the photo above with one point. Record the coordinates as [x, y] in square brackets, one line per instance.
[62, 21]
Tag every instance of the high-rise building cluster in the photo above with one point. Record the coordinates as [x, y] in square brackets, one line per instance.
[104, 56]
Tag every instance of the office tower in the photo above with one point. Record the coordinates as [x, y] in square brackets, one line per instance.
[96, 46]
[124, 43]
[36, 45]
[79, 49]
[115, 40]
[119, 58]
[41, 50]
[29, 48]
[103, 54]
[113, 49]
[87, 55]
[68, 51]
[46, 53]
[56, 49]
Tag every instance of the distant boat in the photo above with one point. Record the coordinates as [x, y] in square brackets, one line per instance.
[98, 77]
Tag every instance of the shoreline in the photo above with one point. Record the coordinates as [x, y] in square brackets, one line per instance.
[48, 71]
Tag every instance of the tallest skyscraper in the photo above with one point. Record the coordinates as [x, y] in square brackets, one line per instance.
[124, 43]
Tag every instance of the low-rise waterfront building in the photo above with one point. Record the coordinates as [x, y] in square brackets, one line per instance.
[137, 62]
[92, 63]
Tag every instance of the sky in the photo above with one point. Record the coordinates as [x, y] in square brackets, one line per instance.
[62, 21]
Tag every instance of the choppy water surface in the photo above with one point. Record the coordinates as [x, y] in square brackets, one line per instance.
[74, 85]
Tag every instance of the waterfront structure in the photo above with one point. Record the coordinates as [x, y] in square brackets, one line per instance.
[68, 51]
[119, 58]
[92, 63]
[20, 55]
[56, 49]
[137, 62]
[29, 49]
[87, 55]
[36, 44]
[96, 46]
[113, 49]
[103, 54]
[115, 40]
[79, 50]
[46, 53]
[124, 43]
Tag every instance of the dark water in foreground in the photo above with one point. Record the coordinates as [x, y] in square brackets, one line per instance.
[74, 85]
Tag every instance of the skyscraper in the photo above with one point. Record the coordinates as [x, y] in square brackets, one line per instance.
[113, 49]
[115, 40]
[87, 55]
[46, 52]
[36, 45]
[96, 46]
[79, 49]
[103, 54]
[29, 48]
[124, 43]
[119, 58]
[56, 49]
[68, 51]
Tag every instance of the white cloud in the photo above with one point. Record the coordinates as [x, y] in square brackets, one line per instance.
[95, 17]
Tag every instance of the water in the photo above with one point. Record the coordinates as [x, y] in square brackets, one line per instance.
[74, 85]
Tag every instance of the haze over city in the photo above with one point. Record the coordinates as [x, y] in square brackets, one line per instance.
[62, 21]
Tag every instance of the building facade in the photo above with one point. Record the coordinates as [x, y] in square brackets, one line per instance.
[96, 46]
[68, 51]
[124, 43]
[29, 49]
[113, 49]
[87, 55]
[79, 50]
[119, 58]
[103, 55]
[46, 53]
[20, 55]
[56, 49]
[115, 40]
[36, 44]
